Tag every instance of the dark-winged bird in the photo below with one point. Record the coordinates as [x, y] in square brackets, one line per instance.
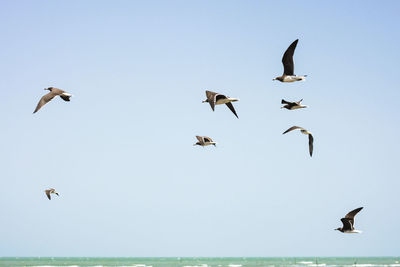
[304, 131]
[219, 99]
[288, 66]
[348, 222]
[292, 105]
[204, 141]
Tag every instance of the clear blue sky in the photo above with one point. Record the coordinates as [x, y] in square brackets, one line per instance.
[120, 153]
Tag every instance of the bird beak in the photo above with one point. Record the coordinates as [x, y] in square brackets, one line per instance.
[274, 79]
[235, 99]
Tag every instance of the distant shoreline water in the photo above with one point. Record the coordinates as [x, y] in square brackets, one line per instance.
[200, 262]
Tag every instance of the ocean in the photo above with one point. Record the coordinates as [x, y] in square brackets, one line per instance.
[202, 262]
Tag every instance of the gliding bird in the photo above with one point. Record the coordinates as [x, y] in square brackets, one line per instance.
[204, 141]
[304, 131]
[53, 93]
[292, 105]
[50, 191]
[218, 99]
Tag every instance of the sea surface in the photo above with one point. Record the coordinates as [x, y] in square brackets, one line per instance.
[202, 262]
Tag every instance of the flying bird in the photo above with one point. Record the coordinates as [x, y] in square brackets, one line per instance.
[50, 191]
[288, 66]
[292, 105]
[304, 131]
[348, 222]
[218, 99]
[204, 141]
[49, 96]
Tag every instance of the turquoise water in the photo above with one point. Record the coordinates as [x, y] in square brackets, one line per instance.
[203, 262]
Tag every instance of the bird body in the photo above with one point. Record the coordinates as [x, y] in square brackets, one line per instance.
[49, 192]
[353, 232]
[348, 222]
[290, 78]
[204, 141]
[292, 105]
[306, 132]
[214, 98]
[49, 96]
[288, 75]
[222, 101]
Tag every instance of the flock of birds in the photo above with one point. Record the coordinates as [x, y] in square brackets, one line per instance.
[214, 99]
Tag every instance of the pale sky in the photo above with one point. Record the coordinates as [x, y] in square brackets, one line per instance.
[120, 153]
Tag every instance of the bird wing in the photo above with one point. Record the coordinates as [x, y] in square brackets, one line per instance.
[211, 97]
[293, 128]
[350, 216]
[347, 224]
[44, 100]
[230, 106]
[310, 144]
[200, 138]
[353, 213]
[48, 194]
[65, 97]
[207, 139]
[287, 59]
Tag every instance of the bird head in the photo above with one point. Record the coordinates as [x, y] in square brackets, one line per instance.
[338, 229]
[205, 101]
[279, 78]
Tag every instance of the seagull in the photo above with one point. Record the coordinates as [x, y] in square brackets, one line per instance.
[288, 66]
[50, 191]
[204, 141]
[292, 105]
[348, 222]
[218, 99]
[53, 93]
[304, 131]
